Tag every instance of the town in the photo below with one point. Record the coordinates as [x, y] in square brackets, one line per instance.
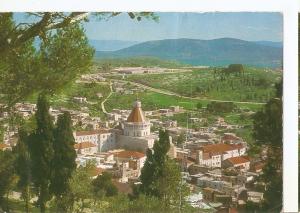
[216, 166]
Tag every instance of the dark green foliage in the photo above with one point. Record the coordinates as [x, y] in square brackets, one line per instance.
[7, 177]
[26, 70]
[69, 41]
[161, 176]
[180, 139]
[41, 151]
[103, 186]
[23, 166]
[154, 164]
[268, 131]
[81, 187]
[63, 164]
[268, 123]
[221, 107]
[199, 105]
[235, 69]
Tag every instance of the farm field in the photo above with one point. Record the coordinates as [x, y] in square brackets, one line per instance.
[257, 85]
[153, 101]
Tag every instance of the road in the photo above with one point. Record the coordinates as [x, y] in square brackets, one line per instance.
[107, 97]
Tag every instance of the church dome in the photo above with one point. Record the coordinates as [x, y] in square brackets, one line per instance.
[137, 115]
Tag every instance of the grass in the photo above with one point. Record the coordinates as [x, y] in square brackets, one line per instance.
[64, 98]
[201, 83]
[150, 101]
[19, 206]
[141, 61]
[153, 101]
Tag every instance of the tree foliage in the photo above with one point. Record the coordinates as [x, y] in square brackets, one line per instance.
[42, 152]
[103, 186]
[63, 52]
[268, 131]
[63, 163]
[160, 175]
[23, 167]
[7, 177]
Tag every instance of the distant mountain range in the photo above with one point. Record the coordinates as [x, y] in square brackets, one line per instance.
[270, 43]
[111, 45]
[215, 52]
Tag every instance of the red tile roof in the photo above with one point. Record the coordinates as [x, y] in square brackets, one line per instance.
[3, 146]
[96, 171]
[84, 145]
[92, 132]
[238, 160]
[220, 148]
[130, 154]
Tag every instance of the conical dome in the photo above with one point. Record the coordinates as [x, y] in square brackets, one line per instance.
[136, 115]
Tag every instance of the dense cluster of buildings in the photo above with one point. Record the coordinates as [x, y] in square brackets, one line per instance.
[216, 166]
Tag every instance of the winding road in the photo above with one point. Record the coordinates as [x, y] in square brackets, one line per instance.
[103, 102]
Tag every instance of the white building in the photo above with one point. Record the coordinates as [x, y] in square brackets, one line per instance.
[134, 135]
[85, 148]
[102, 138]
[214, 155]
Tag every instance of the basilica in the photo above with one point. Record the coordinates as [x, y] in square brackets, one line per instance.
[132, 134]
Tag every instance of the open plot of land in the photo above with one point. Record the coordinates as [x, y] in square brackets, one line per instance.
[256, 85]
[153, 101]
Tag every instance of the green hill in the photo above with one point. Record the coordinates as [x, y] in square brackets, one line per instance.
[216, 52]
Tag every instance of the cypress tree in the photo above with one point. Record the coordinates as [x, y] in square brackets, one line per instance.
[22, 166]
[41, 151]
[64, 156]
[155, 164]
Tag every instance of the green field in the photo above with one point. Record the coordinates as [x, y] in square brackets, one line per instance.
[141, 61]
[153, 101]
[255, 86]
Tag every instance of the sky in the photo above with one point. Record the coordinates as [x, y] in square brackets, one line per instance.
[246, 26]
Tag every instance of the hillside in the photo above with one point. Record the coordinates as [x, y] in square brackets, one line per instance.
[110, 45]
[216, 52]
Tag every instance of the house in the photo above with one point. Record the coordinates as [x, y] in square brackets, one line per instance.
[135, 159]
[209, 194]
[256, 197]
[257, 167]
[242, 162]
[85, 148]
[231, 138]
[213, 155]
[102, 138]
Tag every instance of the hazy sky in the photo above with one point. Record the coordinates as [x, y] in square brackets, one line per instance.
[246, 26]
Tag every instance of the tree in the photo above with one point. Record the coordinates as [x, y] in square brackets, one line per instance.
[41, 151]
[160, 175]
[7, 177]
[22, 166]
[180, 139]
[103, 186]
[81, 187]
[63, 164]
[63, 52]
[199, 105]
[268, 131]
